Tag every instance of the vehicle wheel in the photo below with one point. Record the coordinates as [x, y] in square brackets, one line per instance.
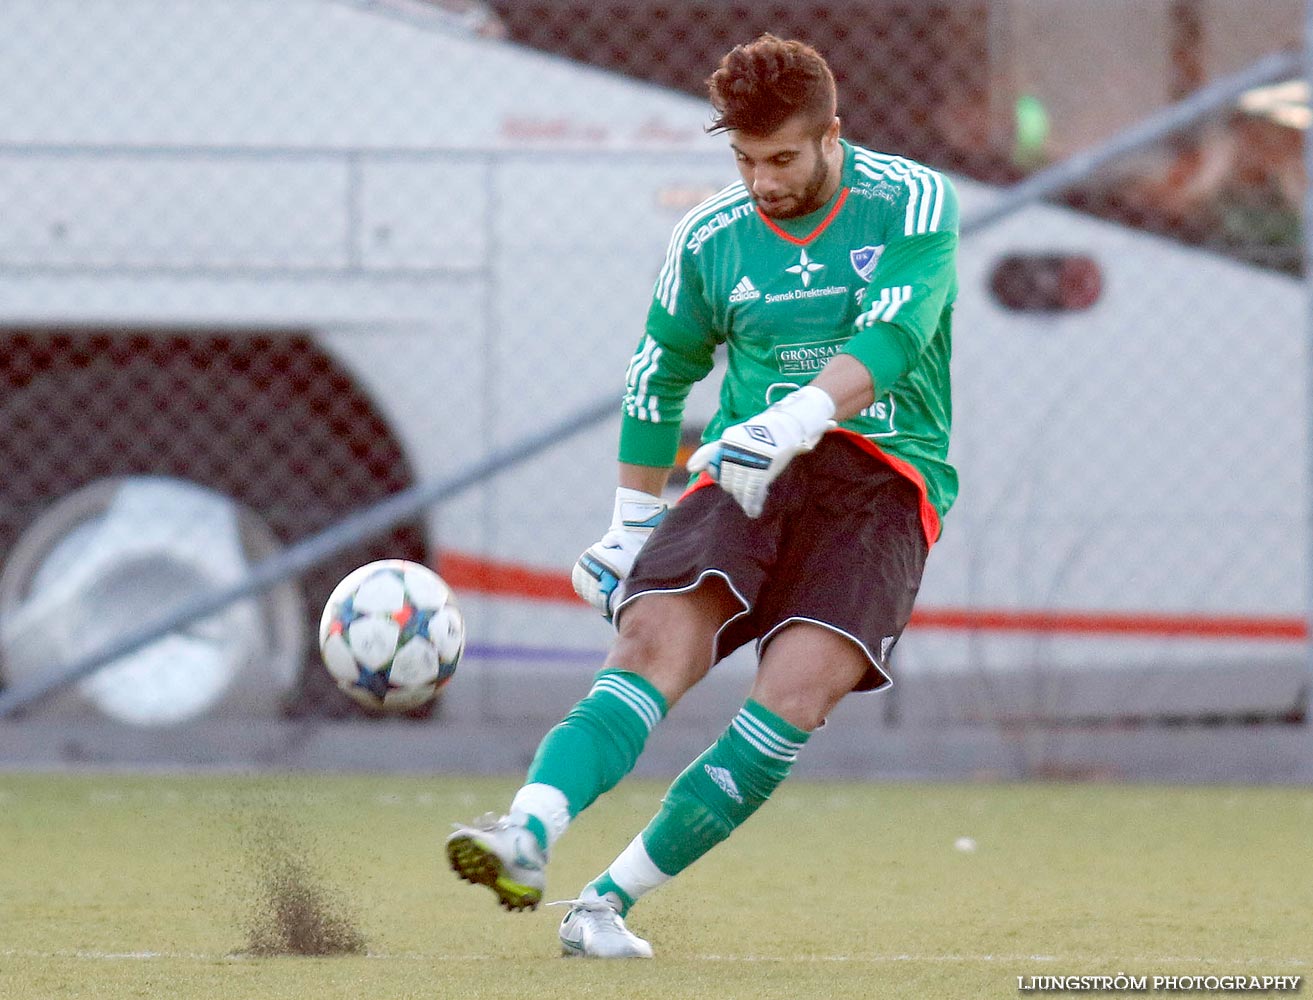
[270, 421]
[105, 560]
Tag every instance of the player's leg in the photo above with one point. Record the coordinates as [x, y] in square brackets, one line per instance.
[804, 672]
[665, 646]
[841, 593]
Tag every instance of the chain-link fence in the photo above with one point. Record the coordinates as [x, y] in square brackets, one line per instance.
[264, 263]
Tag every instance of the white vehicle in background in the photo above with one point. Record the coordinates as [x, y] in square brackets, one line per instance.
[288, 278]
[266, 263]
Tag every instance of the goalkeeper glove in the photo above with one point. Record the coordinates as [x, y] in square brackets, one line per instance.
[749, 456]
[599, 573]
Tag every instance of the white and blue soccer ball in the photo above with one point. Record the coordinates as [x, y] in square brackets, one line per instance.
[392, 635]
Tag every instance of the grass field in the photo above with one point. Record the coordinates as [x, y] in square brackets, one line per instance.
[161, 886]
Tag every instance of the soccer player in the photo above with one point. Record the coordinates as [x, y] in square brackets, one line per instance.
[828, 273]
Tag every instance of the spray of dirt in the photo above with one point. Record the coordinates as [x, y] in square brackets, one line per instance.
[293, 910]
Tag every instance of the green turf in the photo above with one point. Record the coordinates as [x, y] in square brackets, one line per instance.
[118, 886]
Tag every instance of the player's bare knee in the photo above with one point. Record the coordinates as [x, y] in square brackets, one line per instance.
[796, 703]
[638, 645]
[669, 639]
[805, 671]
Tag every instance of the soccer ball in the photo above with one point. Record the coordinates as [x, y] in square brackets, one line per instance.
[391, 635]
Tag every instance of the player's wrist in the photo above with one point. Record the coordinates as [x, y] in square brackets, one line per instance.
[627, 494]
[636, 510]
[812, 408]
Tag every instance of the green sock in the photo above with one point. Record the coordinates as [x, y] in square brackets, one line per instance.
[717, 792]
[598, 743]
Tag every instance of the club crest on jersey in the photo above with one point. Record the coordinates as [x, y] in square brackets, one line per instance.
[865, 259]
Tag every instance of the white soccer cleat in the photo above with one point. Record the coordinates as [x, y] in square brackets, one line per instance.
[504, 856]
[594, 929]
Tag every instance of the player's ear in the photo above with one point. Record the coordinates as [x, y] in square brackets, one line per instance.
[830, 137]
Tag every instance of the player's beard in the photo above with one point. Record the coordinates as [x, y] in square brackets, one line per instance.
[809, 199]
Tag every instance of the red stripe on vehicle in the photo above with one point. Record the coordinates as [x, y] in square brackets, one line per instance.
[1182, 626]
[476, 575]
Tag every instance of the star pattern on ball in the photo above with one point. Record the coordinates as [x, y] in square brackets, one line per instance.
[391, 635]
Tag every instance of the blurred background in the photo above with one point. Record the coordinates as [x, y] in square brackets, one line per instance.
[265, 264]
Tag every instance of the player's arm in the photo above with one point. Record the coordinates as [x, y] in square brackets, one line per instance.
[676, 351]
[848, 384]
[915, 278]
[902, 306]
[650, 479]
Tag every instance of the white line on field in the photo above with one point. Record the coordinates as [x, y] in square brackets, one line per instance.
[149, 956]
[947, 959]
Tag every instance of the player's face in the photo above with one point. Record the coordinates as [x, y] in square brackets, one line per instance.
[791, 171]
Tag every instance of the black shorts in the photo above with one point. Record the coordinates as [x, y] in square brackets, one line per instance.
[839, 543]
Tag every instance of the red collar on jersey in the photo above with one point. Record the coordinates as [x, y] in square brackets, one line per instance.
[820, 228]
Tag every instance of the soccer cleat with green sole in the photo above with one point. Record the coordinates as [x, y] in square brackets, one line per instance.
[504, 856]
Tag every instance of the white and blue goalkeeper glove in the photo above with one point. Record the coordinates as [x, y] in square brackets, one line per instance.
[749, 456]
[599, 573]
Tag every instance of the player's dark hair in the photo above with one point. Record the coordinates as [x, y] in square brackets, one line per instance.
[762, 84]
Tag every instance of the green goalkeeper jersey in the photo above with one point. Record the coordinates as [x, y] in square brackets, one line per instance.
[870, 274]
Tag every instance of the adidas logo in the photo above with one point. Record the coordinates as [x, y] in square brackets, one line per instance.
[744, 291]
[725, 780]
